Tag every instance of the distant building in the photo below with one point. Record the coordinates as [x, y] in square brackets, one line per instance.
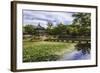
[40, 30]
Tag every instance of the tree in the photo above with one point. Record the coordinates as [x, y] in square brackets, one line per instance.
[84, 21]
[72, 30]
[49, 25]
[29, 29]
[60, 29]
[49, 28]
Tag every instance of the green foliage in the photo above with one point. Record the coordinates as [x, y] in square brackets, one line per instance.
[44, 51]
[73, 30]
[29, 29]
[85, 47]
[84, 31]
[49, 25]
[60, 29]
[49, 28]
[84, 21]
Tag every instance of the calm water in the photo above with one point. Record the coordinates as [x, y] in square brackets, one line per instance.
[76, 55]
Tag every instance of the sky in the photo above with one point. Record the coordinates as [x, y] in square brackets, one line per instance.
[43, 17]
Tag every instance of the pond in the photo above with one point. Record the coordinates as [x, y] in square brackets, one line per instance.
[76, 55]
[81, 52]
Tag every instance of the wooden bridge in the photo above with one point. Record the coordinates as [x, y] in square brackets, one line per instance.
[70, 40]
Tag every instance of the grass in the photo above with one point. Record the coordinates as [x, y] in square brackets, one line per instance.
[45, 51]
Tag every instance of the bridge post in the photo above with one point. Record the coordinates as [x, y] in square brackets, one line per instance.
[79, 41]
[87, 41]
[73, 41]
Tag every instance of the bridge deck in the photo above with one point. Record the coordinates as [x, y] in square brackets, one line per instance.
[70, 40]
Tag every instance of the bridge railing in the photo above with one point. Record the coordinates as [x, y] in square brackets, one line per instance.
[70, 40]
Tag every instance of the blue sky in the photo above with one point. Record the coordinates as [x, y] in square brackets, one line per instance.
[43, 17]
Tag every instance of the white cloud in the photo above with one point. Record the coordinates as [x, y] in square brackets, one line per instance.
[43, 17]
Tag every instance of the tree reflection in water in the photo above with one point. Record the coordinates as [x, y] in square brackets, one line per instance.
[84, 47]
